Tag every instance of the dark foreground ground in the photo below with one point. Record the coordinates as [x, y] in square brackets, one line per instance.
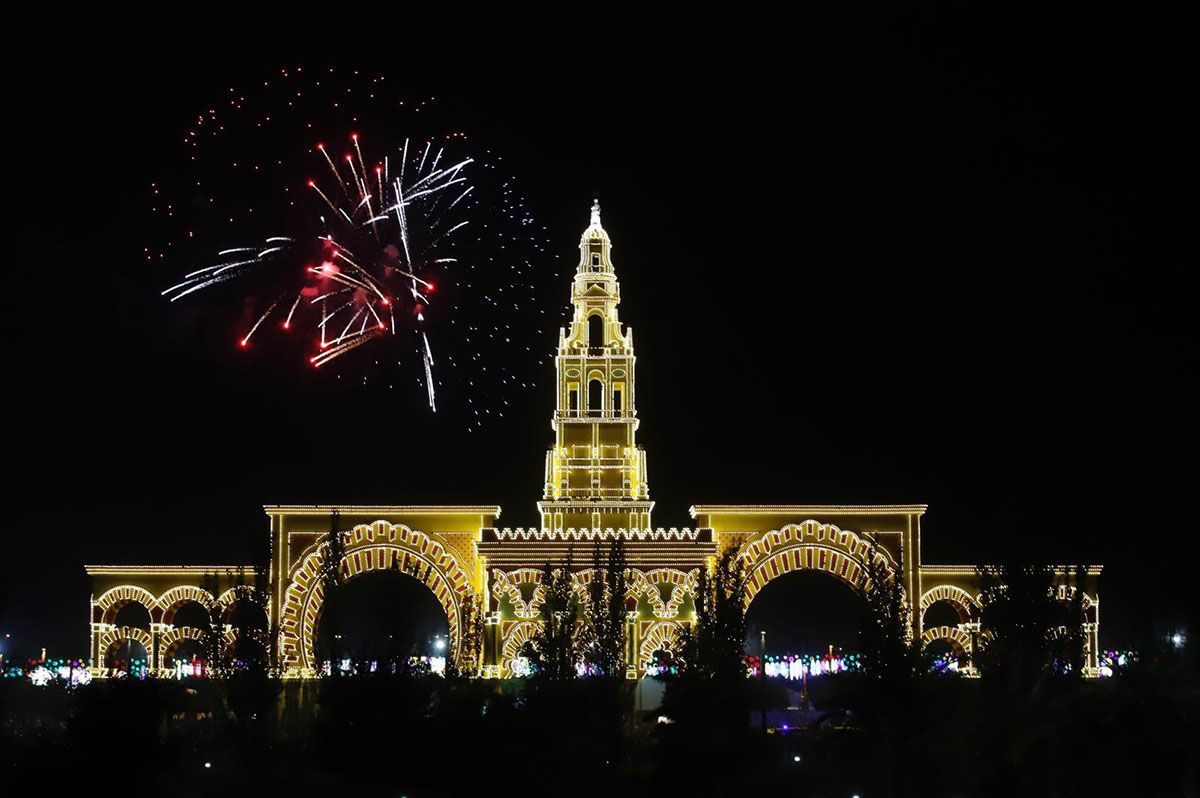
[1134, 735]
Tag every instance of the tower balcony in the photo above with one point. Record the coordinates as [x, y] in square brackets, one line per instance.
[584, 454]
[601, 415]
[596, 351]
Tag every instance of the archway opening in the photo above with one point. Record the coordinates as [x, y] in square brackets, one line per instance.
[246, 651]
[133, 615]
[805, 616]
[188, 658]
[944, 656]
[245, 614]
[128, 658]
[595, 395]
[382, 618]
[191, 613]
[941, 613]
[596, 331]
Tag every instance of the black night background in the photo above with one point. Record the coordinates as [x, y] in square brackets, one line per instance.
[913, 257]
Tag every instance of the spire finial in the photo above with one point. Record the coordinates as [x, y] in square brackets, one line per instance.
[595, 211]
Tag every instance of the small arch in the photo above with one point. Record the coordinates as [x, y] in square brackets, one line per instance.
[111, 601]
[639, 586]
[963, 603]
[682, 584]
[958, 640]
[523, 589]
[662, 636]
[171, 641]
[595, 331]
[112, 641]
[175, 599]
[516, 637]
[233, 598]
[244, 610]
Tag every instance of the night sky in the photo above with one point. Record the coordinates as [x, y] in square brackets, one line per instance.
[909, 258]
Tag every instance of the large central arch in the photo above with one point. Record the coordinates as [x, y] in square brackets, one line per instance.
[379, 546]
[810, 545]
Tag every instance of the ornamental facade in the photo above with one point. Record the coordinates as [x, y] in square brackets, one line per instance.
[488, 578]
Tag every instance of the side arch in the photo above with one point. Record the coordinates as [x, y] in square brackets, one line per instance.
[518, 635]
[810, 546]
[662, 636]
[683, 583]
[170, 601]
[238, 596]
[118, 635]
[958, 639]
[1068, 593]
[111, 601]
[172, 639]
[369, 547]
[507, 585]
[963, 602]
[639, 585]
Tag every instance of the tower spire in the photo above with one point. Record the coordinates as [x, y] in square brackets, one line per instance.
[595, 471]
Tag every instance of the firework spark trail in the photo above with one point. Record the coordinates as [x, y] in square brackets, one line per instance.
[346, 329]
[288, 321]
[361, 163]
[368, 283]
[354, 174]
[333, 169]
[378, 320]
[331, 293]
[460, 197]
[402, 218]
[246, 340]
[429, 374]
[203, 284]
[424, 155]
[334, 352]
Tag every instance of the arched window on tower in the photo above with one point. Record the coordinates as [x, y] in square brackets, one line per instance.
[596, 331]
[595, 397]
[596, 261]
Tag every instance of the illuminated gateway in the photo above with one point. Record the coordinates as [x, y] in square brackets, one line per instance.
[488, 578]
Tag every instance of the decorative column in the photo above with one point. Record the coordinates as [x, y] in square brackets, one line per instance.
[97, 655]
[157, 630]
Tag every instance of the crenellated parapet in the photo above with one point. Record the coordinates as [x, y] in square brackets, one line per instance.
[595, 535]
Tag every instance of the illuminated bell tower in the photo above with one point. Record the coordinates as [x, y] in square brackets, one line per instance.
[595, 472]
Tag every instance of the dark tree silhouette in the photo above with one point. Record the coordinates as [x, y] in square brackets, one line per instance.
[554, 648]
[892, 663]
[605, 612]
[331, 575]
[713, 646]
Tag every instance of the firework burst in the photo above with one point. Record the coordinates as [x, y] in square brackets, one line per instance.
[380, 253]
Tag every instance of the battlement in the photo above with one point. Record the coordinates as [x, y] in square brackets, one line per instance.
[645, 548]
[576, 535]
